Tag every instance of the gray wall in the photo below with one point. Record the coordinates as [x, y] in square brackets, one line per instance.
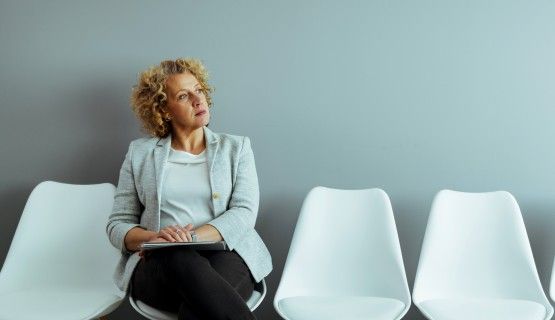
[409, 96]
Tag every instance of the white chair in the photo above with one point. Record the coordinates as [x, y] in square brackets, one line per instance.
[345, 260]
[60, 262]
[154, 314]
[476, 261]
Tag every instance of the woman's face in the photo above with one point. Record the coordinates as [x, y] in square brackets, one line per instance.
[186, 102]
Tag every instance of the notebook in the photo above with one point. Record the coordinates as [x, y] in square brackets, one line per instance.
[202, 245]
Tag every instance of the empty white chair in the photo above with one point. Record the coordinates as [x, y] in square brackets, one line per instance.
[476, 261]
[345, 260]
[60, 262]
[155, 314]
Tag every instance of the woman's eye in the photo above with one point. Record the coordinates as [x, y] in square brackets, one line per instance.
[199, 90]
[182, 96]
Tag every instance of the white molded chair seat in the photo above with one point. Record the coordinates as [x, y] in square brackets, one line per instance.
[156, 314]
[484, 309]
[60, 303]
[349, 308]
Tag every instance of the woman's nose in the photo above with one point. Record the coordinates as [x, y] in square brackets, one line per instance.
[195, 98]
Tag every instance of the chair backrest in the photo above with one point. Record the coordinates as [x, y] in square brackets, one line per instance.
[61, 239]
[552, 282]
[476, 246]
[345, 243]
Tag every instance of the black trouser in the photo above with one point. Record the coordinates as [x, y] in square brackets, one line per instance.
[195, 284]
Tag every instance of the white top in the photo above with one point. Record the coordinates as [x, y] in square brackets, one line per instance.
[186, 193]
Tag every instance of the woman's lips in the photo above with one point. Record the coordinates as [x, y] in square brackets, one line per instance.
[200, 113]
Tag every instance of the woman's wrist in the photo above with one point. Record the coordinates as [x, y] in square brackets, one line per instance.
[136, 236]
[208, 232]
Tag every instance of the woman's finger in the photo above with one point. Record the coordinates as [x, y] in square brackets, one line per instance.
[188, 236]
[176, 235]
[166, 235]
[179, 233]
[182, 236]
[174, 232]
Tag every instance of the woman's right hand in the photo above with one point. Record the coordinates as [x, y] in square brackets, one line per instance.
[173, 233]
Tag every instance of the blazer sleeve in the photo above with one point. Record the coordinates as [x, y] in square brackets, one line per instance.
[240, 217]
[127, 207]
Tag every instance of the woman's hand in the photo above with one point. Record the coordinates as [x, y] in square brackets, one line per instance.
[175, 233]
[135, 237]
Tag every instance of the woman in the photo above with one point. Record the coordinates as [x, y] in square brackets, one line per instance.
[187, 183]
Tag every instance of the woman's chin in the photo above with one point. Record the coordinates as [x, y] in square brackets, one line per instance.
[204, 121]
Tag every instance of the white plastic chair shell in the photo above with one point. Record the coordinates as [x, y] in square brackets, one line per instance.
[476, 261]
[155, 314]
[60, 262]
[345, 259]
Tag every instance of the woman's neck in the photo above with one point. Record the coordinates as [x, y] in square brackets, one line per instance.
[187, 140]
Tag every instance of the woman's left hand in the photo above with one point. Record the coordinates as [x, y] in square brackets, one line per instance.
[177, 233]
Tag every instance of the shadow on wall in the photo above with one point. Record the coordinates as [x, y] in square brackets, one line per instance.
[541, 219]
[409, 214]
[13, 200]
[276, 224]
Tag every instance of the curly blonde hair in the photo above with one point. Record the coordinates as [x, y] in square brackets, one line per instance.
[148, 98]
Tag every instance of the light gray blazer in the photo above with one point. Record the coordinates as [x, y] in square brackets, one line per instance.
[235, 194]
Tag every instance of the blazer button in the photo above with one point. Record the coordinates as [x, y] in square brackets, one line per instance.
[215, 195]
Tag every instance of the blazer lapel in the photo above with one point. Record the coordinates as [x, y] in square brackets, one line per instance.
[212, 140]
[161, 153]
